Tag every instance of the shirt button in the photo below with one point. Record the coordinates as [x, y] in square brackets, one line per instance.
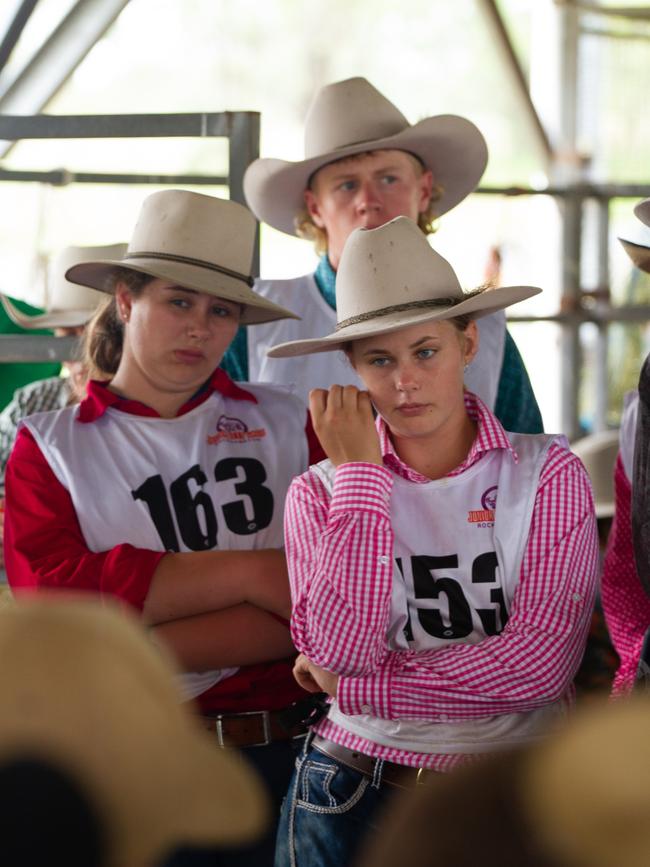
[577, 597]
[365, 708]
[384, 560]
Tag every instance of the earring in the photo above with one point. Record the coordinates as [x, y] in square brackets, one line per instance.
[465, 367]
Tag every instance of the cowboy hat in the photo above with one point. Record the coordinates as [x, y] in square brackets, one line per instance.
[199, 242]
[639, 253]
[588, 788]
[598, 453]
[83, 691]
[68, 305]
[390, 278]
[581, 798]
[351, 117]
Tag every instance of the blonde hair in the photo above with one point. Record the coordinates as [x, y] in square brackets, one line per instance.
[104, 335]
[309, 231]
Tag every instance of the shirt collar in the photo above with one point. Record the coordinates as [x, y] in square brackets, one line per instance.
[99, 398]
[325, 277]
[491, 435]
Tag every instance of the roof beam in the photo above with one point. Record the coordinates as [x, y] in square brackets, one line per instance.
[58, 57]
[504, 44]
[15, 30]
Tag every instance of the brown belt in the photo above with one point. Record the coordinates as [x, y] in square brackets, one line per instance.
[256, 728]
[402, 776]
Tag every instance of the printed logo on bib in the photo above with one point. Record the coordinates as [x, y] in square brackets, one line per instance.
[234, 430]
[484, 517]
[449, 603]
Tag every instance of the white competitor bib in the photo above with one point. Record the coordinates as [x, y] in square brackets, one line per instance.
[459, 545]
[324, 369]
[214, 478]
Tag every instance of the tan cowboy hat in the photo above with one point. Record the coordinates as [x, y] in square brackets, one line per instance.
[351, 117]
[199, 242]
[639, 253]
[581, 798]
[598, 453]
[588, 789]
[389, 278]
[85, 692]
[68, 305]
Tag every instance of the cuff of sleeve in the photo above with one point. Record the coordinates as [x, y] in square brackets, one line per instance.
[365, 695]
[362, 486]
[135, 568]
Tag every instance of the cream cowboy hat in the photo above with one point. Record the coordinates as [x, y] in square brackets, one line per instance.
[86, 693]
[598, 454]
[351, 117]
[639, 253]
[588, 788]
[197, 241]
[68, 305]
[390, 278]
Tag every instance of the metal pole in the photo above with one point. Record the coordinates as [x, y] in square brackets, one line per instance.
[572, 208]
[601, 384]
[15, 29]
[243, 148]
[496, 24]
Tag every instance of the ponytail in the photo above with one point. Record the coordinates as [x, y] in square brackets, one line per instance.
[104, 335]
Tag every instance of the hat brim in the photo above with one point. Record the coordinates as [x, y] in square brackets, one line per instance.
[451, 146]
[205, 773]
[638, 253]
[642, 210]
[257, 309]
[487, 302]
[52, 319]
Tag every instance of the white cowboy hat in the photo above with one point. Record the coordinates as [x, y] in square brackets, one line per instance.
[85, 692]
[639, 253]
[598, 454]
[197, 241]
[391, 277]
[68, 305]
[351, 117]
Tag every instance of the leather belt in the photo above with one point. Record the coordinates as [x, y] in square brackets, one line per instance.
[402, 776]
[257, 728]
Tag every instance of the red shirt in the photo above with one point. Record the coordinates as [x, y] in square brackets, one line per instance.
[45, 549]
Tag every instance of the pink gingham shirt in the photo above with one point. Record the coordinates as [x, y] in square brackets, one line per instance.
[625, 604]
[340, 558]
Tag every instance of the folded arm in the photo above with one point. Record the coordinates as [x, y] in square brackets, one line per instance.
[340, 555]
[45, 548]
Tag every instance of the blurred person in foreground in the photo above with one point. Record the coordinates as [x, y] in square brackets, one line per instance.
[442, 570]
[100, 764]
[365, 165]
[580, 799]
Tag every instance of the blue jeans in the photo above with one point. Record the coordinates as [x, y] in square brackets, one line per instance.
[329, 810]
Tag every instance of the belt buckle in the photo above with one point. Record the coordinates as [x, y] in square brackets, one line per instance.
[419, 777]
[266, 727]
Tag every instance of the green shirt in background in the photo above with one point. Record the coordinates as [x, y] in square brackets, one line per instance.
[14, 375]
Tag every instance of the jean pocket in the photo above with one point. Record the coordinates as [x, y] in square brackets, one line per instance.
[325, 786]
